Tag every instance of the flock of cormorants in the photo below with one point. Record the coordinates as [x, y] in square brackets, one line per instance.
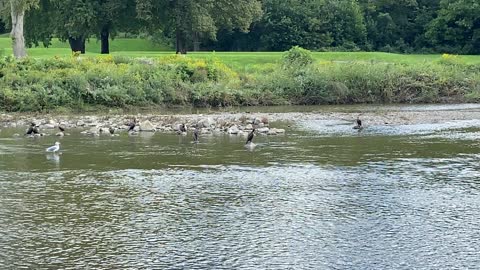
[33, 130]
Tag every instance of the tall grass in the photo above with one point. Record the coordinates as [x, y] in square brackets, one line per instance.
[119, 81]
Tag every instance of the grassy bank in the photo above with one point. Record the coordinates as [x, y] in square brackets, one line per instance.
[240, 61]
[45, 84]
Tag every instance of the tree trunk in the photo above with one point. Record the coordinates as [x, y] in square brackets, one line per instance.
[105, 45]
[18, 40]
[77, 44]
[180, 42]
[196, 42]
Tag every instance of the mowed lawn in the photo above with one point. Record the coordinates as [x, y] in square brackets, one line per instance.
[241, 61]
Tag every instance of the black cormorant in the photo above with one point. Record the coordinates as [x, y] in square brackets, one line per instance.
[183, 128]
[250, 136]
[33, 129]
[132, 125]
[359, 124]
[195, 135]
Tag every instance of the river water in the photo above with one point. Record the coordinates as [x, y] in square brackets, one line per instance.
[320, 197]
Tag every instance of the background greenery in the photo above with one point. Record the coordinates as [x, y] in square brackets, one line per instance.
[294, 77]
[405, 26]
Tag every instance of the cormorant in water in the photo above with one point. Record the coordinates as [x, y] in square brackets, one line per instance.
[195, 135]
[62, 129]
[111, 130]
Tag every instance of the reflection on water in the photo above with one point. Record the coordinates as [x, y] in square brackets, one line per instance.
[307, 200]
[54, 158]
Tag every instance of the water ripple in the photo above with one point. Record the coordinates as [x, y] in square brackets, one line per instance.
[402, 213]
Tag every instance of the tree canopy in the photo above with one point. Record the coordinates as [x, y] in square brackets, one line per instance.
[372, 25]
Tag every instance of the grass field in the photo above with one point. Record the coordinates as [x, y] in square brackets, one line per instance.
[240, 61]
[58, 48]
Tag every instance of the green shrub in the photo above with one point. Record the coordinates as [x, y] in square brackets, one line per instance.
[297, 57]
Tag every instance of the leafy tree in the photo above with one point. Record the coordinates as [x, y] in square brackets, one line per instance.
[17, 9]
[390, 23]
[76, 21]
[346, 23]
[192, 21]
[426, 12]
[114, 15]
[40, 24]
[457, 27]
[312, 24]
[289, 23]
[2, 26]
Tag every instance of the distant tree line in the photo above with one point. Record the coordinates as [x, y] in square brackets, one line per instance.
[406, 26]
[451, 26]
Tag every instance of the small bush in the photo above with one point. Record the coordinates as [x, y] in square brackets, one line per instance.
[297, 57]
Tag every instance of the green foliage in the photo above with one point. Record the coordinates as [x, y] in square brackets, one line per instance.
[191, 21]
[401, 26]
[359, 82]
[297, 57]
[456, 28]
[121, 82]
[348, 25]
[46, 84]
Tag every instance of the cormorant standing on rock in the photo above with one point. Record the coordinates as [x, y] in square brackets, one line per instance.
[32, 129]
[62, 131]
[359, 125]
[183, 128]
[132, 125]
[249, 144]
[250, 137]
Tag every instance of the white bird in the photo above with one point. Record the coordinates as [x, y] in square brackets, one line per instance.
[53, 148]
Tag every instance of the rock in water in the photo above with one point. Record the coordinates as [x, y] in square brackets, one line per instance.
[208, 122]
[263, 130]
[146, 126]
[250, 146]
[93, 131]
[233, 130]
[272, 131]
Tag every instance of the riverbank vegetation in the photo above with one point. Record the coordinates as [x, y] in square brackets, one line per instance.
[77, 83]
